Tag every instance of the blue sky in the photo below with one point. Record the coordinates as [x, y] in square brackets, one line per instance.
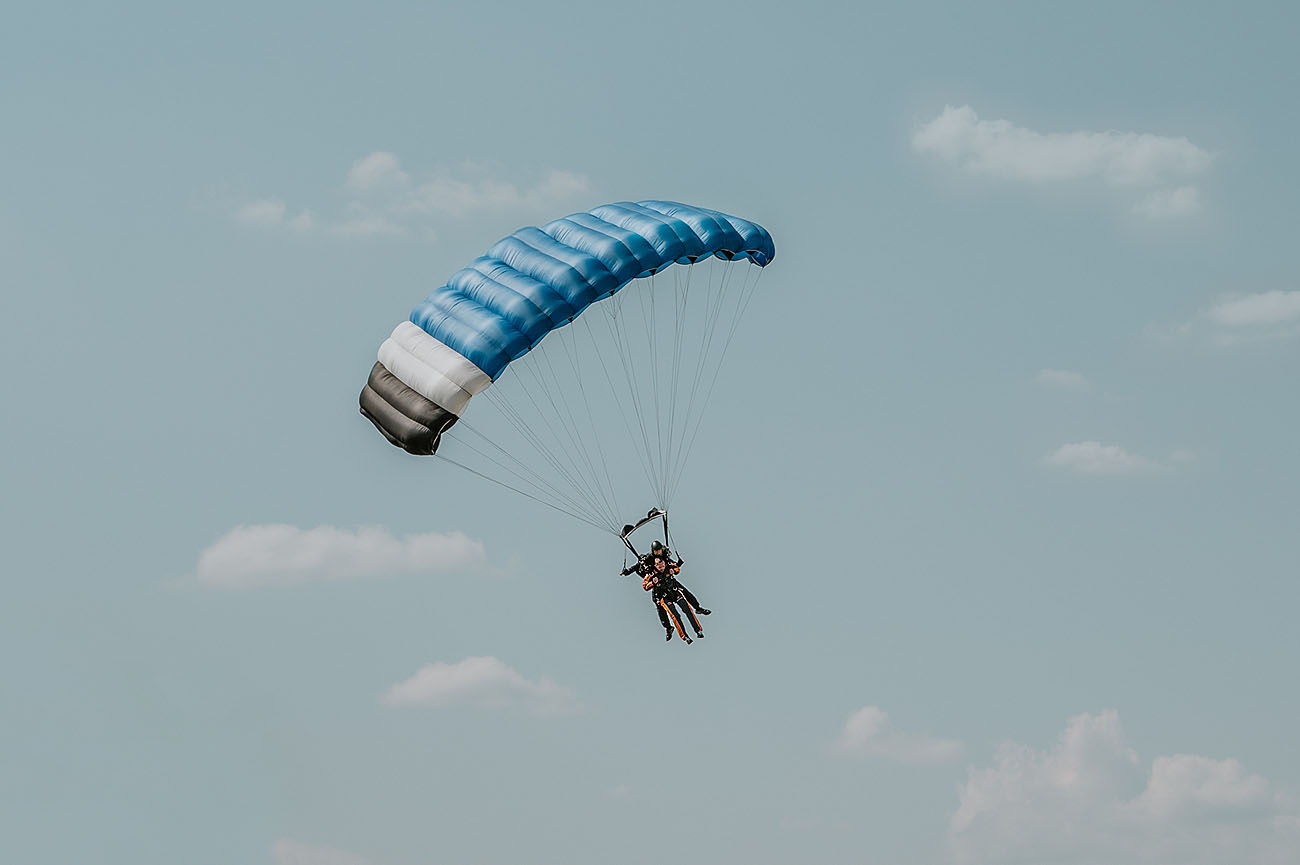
[994, 503]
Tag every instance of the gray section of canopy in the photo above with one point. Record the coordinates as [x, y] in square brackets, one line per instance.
[407, 419]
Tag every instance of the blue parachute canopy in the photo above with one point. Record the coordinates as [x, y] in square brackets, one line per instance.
[538, 279]
[461, 339]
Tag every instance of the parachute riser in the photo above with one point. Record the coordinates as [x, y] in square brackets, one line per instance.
[651, 516]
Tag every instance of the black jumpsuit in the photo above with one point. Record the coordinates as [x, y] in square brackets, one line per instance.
[669, 591]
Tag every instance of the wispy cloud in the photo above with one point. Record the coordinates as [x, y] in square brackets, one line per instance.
[998, 148]
[1240, 318]
[481, 681]
[289, 852]
[1266, 309]
[1061, 378]
[365, 222]
[1169, 203]
[1095, 458]
[377, 170]
[271, 213]
[262, 212]
[277, 554]
[1089, 799]
[869, 733]
[384, 199]
[456, 196]
[1005, 151]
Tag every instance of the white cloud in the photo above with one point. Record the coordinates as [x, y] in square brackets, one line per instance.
[868, 733]
[1061, 378]
[1265, 309]
[1240, 318]
[265, 213]
[559, 184]
[1090, 762]
[1088, 800]
[389, 201]
[303, 223]
[278, 554]
[378, 169]
[270, 213]
[1186, 785]
[1095, 458]
[1002, 150]
[480, 681]
[365, 223]
[288, 852]
[1169, 203]
[458, 196]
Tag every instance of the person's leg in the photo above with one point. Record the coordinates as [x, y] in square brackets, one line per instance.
[672, 614]
[663, 620]
[690, 616]
[695, 603]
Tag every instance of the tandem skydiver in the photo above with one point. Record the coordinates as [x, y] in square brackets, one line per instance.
[659, 572]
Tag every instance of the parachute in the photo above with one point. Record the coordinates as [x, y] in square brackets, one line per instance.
[462, 341]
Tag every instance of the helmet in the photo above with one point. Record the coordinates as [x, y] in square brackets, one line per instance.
[657, 548]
